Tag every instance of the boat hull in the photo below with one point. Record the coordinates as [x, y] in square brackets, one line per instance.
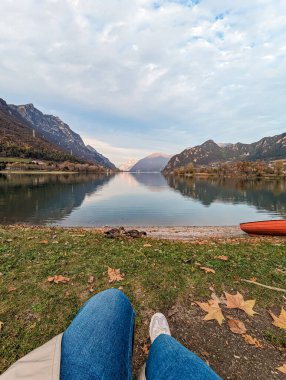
[266, 227]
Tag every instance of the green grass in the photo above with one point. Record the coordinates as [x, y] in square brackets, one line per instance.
[15, 159]
[155, 277]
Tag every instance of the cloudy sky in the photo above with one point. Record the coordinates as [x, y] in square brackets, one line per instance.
[139, 76]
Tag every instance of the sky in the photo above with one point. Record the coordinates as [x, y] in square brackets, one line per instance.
[135, 77]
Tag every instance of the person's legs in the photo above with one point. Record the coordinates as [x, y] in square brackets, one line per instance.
[98, 343]
[169, 360]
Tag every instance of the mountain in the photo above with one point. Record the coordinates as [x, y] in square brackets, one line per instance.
[55, 131]
[153, 163]
[17, 139]
[210, 153]
[127, 165]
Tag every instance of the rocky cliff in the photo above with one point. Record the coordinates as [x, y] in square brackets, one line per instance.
[54, 130]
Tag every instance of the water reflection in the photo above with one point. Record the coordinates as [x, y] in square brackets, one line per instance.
[263, 194]
[44, 198]
[153, 181]
[137, 199]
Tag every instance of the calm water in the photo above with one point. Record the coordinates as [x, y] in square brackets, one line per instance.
[136, 199]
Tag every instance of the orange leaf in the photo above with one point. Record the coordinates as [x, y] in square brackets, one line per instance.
[44, 242]
[207, 270]
[11, 289]
[236, 326]
[253, 279]
[222, 257]
[279, 321]
[145, 349]
[114, 275]
[282, 368]
[236, 301]
[252, 341]
[58, 279]
[213, 309]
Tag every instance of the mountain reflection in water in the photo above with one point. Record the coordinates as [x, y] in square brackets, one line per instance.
[137, 199]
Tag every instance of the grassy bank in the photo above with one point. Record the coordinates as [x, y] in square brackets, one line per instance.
[159, 275]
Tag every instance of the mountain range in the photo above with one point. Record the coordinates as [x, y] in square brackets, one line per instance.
[153, 163]
[210, 153]
[27, 125]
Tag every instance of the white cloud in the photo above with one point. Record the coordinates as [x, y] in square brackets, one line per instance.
[174, 73]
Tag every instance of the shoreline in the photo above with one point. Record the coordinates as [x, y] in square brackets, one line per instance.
[186, 233]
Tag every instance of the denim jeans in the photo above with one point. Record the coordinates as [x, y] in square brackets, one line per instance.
[98, 346]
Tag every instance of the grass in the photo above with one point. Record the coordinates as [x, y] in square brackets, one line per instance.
[155, 277]
[16, 159]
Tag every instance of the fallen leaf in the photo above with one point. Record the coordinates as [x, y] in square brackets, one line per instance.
[236, 301]
[282, 368]
[1, 325]
[90, 279]
[114, 275]
[207, 270]
[213, 309]
[11, 289]
[58, 279]
[222, 257]
[145, 349]
[236, 326]
[253, 279]
[252, 341]
[147, 245]
[279, 321]
[44, 242]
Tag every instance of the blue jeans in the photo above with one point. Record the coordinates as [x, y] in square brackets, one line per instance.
[98, 346]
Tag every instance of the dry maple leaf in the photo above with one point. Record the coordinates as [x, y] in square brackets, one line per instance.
[207, 270]
[145, 349]
[11, 289]
[213, 309]
[282, 368]
[114, 275]
[252, 341]
[58, 279]
[236, 326]
[279, 321]
[236, 301]
[253, 279]
[222, 257]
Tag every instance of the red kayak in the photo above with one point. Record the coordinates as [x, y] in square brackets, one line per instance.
[265, 227]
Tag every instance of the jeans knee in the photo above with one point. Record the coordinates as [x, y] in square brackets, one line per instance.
[113, 297]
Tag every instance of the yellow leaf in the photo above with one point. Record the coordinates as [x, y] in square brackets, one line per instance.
[147, 245]
[236, 326]
[236, 301]
[213, 309]
[282, 368]
[222, 257]
[279, 321]
[252, 341]
[114, 275]
[207, 270]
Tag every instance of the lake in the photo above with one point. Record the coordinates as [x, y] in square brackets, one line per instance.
[137, 199]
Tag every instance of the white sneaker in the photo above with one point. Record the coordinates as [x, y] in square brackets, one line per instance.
[158, 325]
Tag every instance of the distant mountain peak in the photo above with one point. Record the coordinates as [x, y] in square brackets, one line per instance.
[155, 162]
